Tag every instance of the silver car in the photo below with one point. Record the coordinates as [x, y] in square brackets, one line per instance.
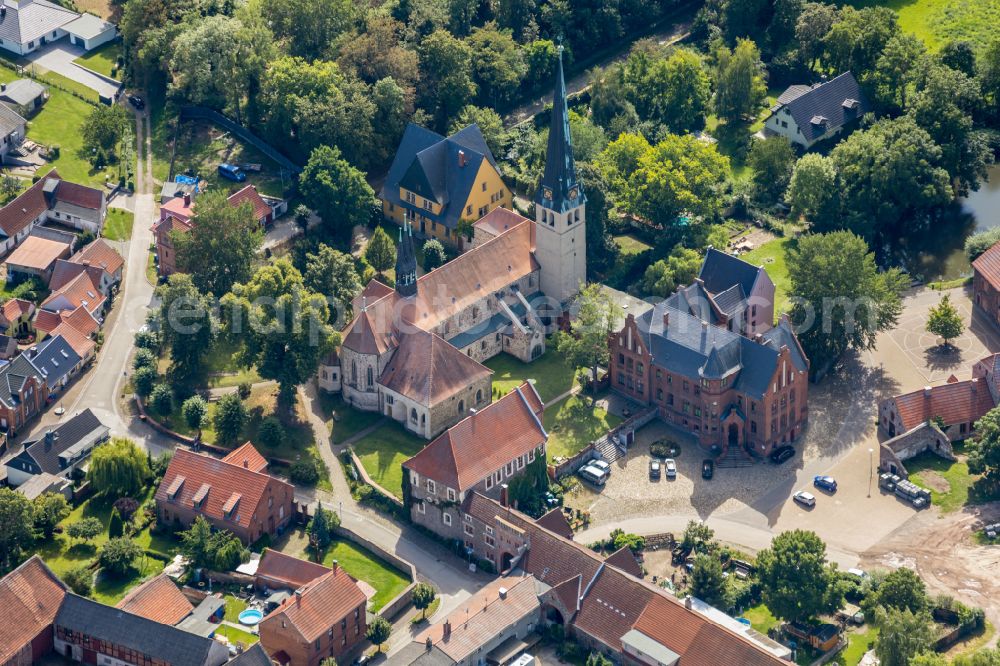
[671, 468]
[601, 464]
[804, 498]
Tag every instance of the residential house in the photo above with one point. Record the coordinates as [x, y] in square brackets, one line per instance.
[158, 599]
[78, 292]
[13, 128]
[57, 362]
[174, 189]
[23, 393]
[493, 626]
[35, 257]
[86, 324]
[324, 618]
[481, 453]
[986, 284]
[166, 253]
[30, 597]
[44, 483]
[92, 633]
[230, 496]
[434, 182]
[51, 199]
[59, 451]
[806, 115]
[28, 25]
[15, 317]
[255, 655]
[25, 96]
[99, 260]
[277, 571]
[8, 347]
[737, 395]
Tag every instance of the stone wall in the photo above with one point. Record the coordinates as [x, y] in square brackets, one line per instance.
[925, 437]
[401, 600]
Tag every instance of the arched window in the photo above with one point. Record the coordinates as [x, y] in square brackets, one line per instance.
[371, 377]
[461, 406]
[354, 372]
[423, 419]
[413, 415]
[479, 396]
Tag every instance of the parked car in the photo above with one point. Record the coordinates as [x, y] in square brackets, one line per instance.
[594, 475]
[232, 172]
[707, 469]
[782, 454]
[827, 483]
[804, 498]
[671, 468]
[654, 469]
[137, 102]
[601, 464]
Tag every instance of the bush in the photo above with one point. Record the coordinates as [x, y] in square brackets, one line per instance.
[664, 448]
[434, 255]
[118, 554]
[147, 340]
[976, 244]
[243, 390]
[144, 358]
[80, 580]
[126, 507]
[161, 400]
[305, 471]
[271, 433]
[143, 380]
[116, 526]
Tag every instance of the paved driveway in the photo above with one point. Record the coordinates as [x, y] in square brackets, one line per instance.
[58, 57]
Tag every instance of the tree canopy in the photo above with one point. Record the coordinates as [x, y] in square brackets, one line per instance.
[337, 191]
[16, 534]
[797, 581]
[944, 320]
[118, 468]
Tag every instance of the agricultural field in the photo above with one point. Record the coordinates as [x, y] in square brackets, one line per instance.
[937, 22]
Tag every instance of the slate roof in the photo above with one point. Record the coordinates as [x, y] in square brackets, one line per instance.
[988, 265]
[428, 164]
[158, 599]
[247, 456]
[483, 442]
[320, 604]
[10, 120]
[13, 377]
[252, 656]
[30, 597]
[559, 176]
[37, 253]
[22, 92]
[957, 402]
[223, 480]
[27, 20]
[826, 100]
[55, 359]
[291, 571]
[720, 271]
[426, 369]
[84, 428]
[169, 644]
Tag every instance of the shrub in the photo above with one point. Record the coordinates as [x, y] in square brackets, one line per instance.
[664, 448]
[143, 380]
[243, 390]
[143, 358]
[271, 433]
[976, 244]
[162, 399]
[126, 507]
[116, 526]
[118, 554]
[80, 580]
[434, 255]
[85, 529]
[305, 471]
[147, 340]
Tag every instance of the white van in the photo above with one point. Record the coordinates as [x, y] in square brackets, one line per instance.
[594, 475]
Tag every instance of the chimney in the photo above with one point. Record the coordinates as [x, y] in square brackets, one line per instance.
[503, 592]
[33, 352]
[927, 391]
[447, 630]
[246, 464]
[187, 199]
[298, 597]
[461, 158]
[50, 439]
[504, 499]
[666, 318]
[3, 86]
[429, 643]
[688, 603]
[334, 565]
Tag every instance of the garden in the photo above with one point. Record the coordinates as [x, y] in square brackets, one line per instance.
[118, 225]
[951, 483]
[771, 256]
[383, 452]
[550, 374]
[105, 59]
[573, 423]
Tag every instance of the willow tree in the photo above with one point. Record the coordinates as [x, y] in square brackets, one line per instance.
[119, 468]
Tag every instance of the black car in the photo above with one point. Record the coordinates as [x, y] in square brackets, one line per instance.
[782, 454]
[137, 102]
[707, 469]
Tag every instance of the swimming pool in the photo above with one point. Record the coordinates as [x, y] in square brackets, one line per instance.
[251, 616]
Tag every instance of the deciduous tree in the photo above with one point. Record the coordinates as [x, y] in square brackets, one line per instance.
[490, 124]
[332, 274]
[984, 448]
[944, 321]
[740, 85]
[16, 535]
[84, 529]
[49, 509]
[118, 468]
[662, 277]
[195, 411]
[309, 27]
[708, 583]
[797, 581]
[378, 631]
[186, 327]
[423, 596]
[586, 345]
[446, 76]
[380, 252]
[229, 418]
[812, 192]
[902, 635]
[118, 555]
[337, 191]
[161, 399]
[772, 160]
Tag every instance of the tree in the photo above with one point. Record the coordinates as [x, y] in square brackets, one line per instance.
[497, 64]
[328, 661]
[378, 631]
[697, 537]
[959, 55]
[146, 339]
[118, 554]
[976, 244]
[118, 468]
[80, 580]
[812, 192]
[196, 542]
[811, 27]
[708, 583]
[337, 191]
[598, 659]
[858, 37]
[902, 635]
[901, 62]
[195, 412]
[771, 161]
[446, 76]
[85, 529]
[684, 91]
[309, 26]
[434, 255]
[380, 252]
[331, 273]
[302, 215]
[989, 76]
[489, 123]
[423, 596]
[10, 186]
[320, 530]
[944, 321]
[16, 535]
[102, 132]
[289, 331]
[740, 87]
[305, 471]
[144, 358]
[841, 300]
[679, 268]
[984, 657]
[49, 509]
[116, 525]
[984, 448]
[227, 551]
[902, 589]
[586, 345]
[221, 247]
[796, 580]
[126, 507]
[161, 400]
[143, 380]
[271, 433]
[186, 327]
[622, 539]
[229, 418]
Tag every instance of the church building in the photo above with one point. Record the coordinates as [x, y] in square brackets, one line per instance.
[415, 352]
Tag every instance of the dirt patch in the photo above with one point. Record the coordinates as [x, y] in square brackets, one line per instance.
[935, 481]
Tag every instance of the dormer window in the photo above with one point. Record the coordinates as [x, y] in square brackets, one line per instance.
[199, 497]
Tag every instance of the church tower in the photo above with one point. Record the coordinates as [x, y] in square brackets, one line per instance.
[406, 263]
[560, 208]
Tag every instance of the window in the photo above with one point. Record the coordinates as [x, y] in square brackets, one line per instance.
[531, 456]
[446, 518]
[479, 396]
[451, 495]
[489, 482]
[371, 377]
[470, 531]
[670, 398]
[510, 468]
[413, 415]
[389, 399]
[461, 406]
[428, 205]
[490, 541]
[520, 462]
[421, 508]
[697, 411]
[410, 198]
[431, 487]
[468, 210]
[468, 518]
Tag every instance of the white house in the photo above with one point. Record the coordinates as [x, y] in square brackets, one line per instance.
[27, 25]
[806, 115]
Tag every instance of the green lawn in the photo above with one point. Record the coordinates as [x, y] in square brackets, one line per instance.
[25, 289]
[939, 21]
[118, 226]
[161, 126]
[236, 635]
[955, 474]
[62, 83]
[151, 275]
[387, 580]
[383, 451]
[348, 421]
[102, 59]
[572, 424]
[771, 256]
[859, 642]
[222, 370]
[630, 244]
[761, 618]
[234, 607]
[552, 376]
[109, 590]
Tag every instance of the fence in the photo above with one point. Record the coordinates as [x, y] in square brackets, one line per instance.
[201, 113]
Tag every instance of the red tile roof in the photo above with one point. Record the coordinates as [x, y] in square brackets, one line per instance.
[320, 605]
[988, 265]
[555, 521]
[427, 369]
[78, 291]
[247, 456]
[498, 221]
[38, 253]
[159, 600]
[372, 292]
[368, 334]
[46, 321]
[957, 402]
[177, 208]
[30, 597]
[218, 480]
[16, 307]
[81, 344]
[78, 195]
[99, 254]
[290, 571]
[79, 318]
[624, 559]
[483, 442]
[170, 223]
[65, 270]
[249, 194]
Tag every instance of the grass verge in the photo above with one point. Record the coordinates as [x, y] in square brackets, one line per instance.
[383, 452]
[118, 226]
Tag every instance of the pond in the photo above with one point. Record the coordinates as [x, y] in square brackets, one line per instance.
[941, 255]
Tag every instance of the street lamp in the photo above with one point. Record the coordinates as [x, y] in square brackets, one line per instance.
[870, 472]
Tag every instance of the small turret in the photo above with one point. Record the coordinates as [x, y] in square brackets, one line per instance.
[406, 263]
